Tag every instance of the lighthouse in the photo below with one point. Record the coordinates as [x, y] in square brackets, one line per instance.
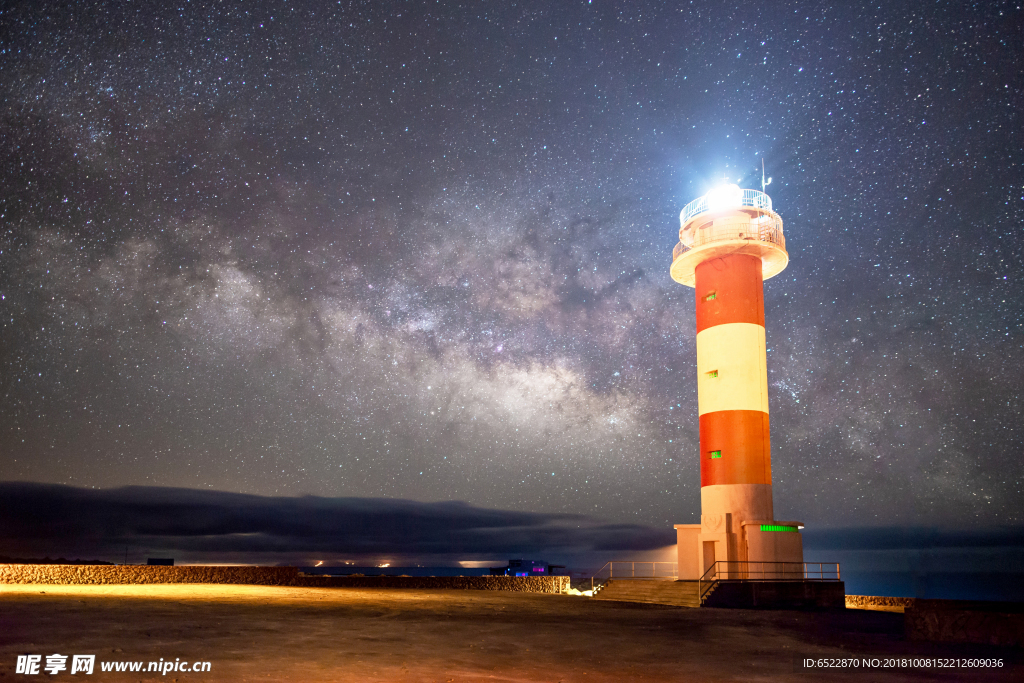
[730, 242]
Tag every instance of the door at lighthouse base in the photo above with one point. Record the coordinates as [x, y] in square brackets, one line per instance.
[709, 555]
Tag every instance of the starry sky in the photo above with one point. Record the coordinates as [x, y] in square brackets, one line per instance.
[420, 250]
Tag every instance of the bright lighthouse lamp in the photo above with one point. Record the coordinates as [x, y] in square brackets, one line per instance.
[724, 197]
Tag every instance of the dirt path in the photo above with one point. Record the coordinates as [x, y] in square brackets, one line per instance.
[255, 633]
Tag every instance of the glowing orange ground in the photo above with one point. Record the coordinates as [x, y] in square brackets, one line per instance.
[255, 633]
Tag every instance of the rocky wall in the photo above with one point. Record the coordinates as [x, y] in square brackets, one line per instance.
[106, 574]
[962, 621]
[515, 584]
[869, 601]
[95, 574]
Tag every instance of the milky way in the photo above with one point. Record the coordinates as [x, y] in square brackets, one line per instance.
[421, 250]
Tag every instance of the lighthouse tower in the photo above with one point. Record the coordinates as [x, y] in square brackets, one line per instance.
[730, 241]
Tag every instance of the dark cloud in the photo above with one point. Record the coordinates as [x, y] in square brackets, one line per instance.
[38, 519]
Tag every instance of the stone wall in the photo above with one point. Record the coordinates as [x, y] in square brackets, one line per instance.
[869, 601]
[963, 621]
[106, 574]
[94, 574]
[515, 584]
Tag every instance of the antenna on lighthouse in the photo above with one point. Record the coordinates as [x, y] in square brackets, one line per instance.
[763, 183]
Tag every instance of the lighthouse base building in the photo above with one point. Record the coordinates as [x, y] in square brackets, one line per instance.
[702, 548]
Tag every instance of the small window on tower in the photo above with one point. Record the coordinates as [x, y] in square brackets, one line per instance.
[710, 296]
[716, 454]
[712, 374]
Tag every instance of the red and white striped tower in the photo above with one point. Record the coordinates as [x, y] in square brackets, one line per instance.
[730, 241]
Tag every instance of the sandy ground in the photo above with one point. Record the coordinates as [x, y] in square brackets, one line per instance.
[254, 633]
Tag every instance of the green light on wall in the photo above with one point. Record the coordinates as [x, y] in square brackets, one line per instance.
[778, 527]
[716, 454]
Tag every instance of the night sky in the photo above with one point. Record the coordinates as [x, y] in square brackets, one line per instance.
[420, 250]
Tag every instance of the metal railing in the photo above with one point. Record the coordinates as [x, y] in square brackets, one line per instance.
[735, 570]
[630, 569]
[700, 205]
[764, 228]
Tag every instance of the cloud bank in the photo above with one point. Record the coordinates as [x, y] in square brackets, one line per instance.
[216, 526]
